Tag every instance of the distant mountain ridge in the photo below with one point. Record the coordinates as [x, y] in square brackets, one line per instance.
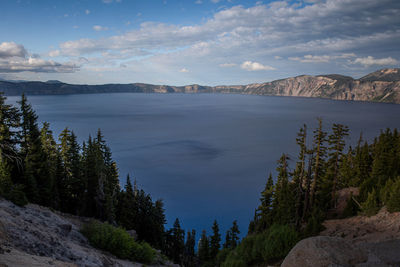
[380, 86]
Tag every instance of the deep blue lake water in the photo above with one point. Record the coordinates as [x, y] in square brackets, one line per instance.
[206, 155]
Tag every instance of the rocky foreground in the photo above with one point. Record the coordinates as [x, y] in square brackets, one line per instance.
[357, 241]
[36, 236]
[380, 86]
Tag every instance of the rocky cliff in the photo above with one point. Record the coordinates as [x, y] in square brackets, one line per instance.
[380, 86]
[356, 241]
[36, 236]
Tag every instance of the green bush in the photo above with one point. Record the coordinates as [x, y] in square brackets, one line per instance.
[280, 240]
[393, 203]
[118, 242]
[263, 248]
[370, 206]
[17, 195]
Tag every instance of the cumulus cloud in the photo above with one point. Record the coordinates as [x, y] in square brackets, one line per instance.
[255, 66]
[184, 70]
[321, 59]
[37, 65]
[15, 58]
[320, 32]
[227, 65]
[99, 28]
[369, 61]
[54, 53]
[11, 49]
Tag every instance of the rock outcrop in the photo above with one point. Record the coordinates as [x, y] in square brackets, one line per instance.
[36, 236]
[379, 86]
[357, 241]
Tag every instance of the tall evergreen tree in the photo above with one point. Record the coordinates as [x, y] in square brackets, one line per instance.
[204, 247]
[284, 202]
[177, 247]
[299, 173]
[319, 154]
[265, 208]
[190, 257]
[36, 174]
[215, 240]
[337, 144]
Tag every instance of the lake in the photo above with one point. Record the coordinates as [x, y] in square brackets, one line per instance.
[206, 155]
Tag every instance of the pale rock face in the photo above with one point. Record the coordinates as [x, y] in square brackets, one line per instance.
[324, 251]
[36, 236]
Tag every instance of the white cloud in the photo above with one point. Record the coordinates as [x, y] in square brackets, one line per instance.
[87, 11]
[311, 59]
[99, 28]
[255, 66]
[309, 33]
[322, 58]
[11, 49]
[369, 61]
[227, 65]
[15, 58]
[184, 70]
[54, 53]
[37, 65]
[215, 1]
[199, 2]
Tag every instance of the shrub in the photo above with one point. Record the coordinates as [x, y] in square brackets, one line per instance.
[370, 206]
[267, 247]
[17, 195]
[118, 242]
[280, 240]
[393, 204]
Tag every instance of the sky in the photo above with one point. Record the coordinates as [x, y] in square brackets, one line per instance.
[207, 42]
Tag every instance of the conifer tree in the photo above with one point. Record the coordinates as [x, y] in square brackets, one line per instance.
[178, 242]
[36, 174]
[319, 155]
[215, 240]
[265, 209]
[204, 247]
[337, 144]
[299, 173]
[284, 202]
[189, 258]
[53, 163]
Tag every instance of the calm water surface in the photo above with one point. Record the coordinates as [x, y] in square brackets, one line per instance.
[206, 155]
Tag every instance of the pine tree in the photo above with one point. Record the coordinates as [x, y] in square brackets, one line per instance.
[36, 174]
[9, 135]
[127, 207]
[234, 235]
[284, 202]
[178, 242]
[204, 247]
[319, 155]
[215, 240]
[265, 209]
[299, 173]
[190, 257]
[53, 164]
[337, 144]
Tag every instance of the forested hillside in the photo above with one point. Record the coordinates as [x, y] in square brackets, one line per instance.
[83, 179]
[304, 195]
[380, 86]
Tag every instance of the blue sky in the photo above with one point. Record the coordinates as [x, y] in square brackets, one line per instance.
[207, 42]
